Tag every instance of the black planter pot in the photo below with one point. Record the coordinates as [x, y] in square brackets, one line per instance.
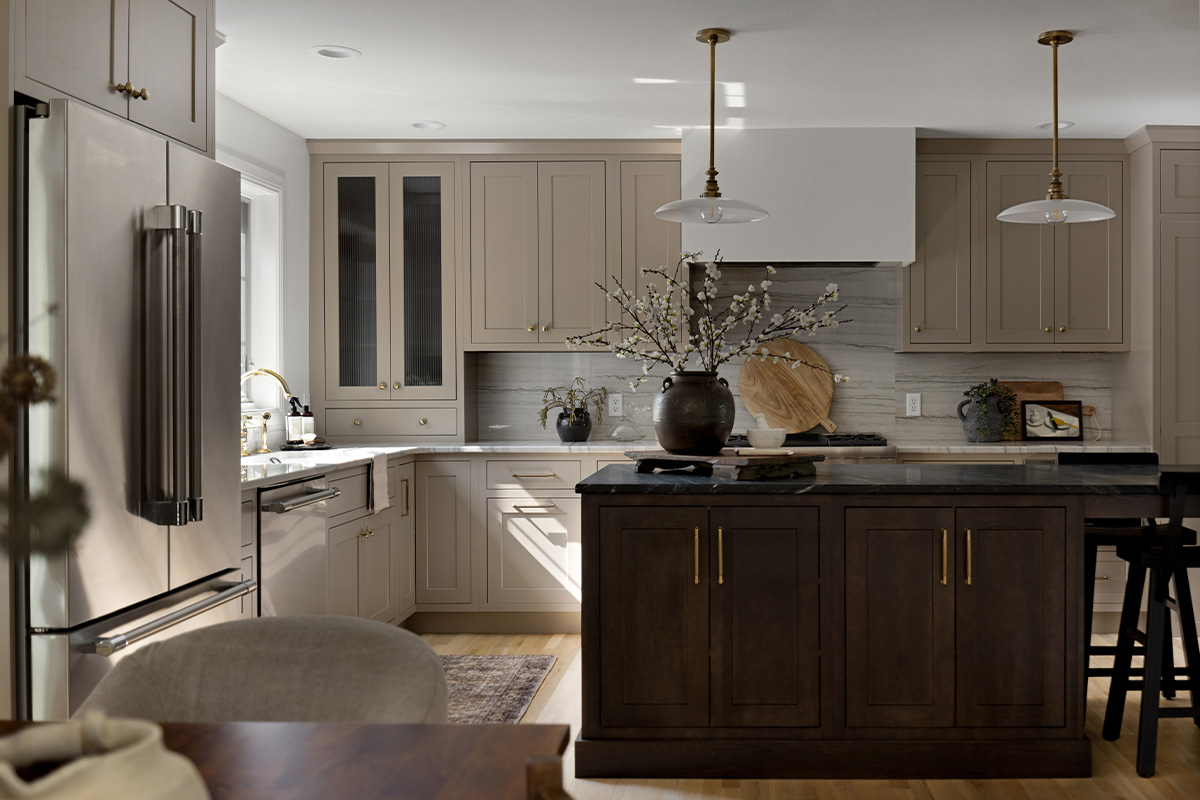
[574, 428]
[693, 413]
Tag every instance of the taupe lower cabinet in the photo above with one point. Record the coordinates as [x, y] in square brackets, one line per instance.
[145, 60]
[955, 617]
[443, 531]
[388, 246]
[1054, 284]
[709, 618]
[538, 249]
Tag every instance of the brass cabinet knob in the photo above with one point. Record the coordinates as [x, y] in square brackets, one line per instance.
[422, 421]
[917, 328]
[545, 328]
[357, 422]
[531, 328]
[396, 385]
[1062, 328]
[127, 88]
[1046, 329]
[363, 534]
[383, 386]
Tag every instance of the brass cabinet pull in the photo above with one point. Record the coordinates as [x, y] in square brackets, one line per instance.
[357, 422]
[134, 94]
[422, 421]
[1047, 329]
[363, 534]
[396, 385]
[1101, 577]
[383, 386]
[545, 506]
[945, 535]
[532, 328]
[545, 328]
[968, 556]
[407, 507]
[720, 554]
[534, 474]
[696, 546]
[917, 328]
[1062, 328]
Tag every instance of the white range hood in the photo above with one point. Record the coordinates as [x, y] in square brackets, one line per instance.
[837, 196]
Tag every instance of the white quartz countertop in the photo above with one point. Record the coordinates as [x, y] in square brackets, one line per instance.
[306, 463]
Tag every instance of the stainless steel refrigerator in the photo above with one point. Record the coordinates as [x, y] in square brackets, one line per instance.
[128, 283]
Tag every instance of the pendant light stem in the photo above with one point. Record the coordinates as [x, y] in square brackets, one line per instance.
[711, 189]
[1056, 188]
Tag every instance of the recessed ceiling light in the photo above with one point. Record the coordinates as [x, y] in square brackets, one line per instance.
[335, 51]
[429, 125]
[1062, 123]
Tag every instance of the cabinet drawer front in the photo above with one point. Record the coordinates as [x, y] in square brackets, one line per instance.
[391, 422]
[353, 497]
[533, 474]
[1111, 574]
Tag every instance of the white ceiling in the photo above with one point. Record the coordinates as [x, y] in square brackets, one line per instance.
[498, 69]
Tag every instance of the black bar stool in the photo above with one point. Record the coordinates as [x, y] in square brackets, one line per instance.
[1105, 532]
[1166, 559]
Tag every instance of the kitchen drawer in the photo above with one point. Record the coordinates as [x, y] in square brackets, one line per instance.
[533, 474]
[1110, 580]
[353, 495]
[363, 422]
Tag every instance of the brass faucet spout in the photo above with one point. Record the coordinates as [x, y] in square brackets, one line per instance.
[287, 393]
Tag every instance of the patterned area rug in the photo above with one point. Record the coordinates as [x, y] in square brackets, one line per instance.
[492, 689]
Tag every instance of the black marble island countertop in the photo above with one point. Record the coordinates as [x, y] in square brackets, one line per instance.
[1041, 478]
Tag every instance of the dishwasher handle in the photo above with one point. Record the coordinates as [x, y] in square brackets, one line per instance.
[111, 644]
[284, 506]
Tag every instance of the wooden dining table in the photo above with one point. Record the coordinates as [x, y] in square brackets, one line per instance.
[319, 760]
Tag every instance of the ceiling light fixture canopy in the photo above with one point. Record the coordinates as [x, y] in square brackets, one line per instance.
[710, 206]
[1057, 207]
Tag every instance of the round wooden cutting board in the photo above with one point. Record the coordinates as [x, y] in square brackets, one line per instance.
[796, 400]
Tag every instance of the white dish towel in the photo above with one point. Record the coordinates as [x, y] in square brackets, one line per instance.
[379, 483]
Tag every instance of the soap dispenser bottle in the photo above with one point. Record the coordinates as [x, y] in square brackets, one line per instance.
[308, 423]
[295, 423]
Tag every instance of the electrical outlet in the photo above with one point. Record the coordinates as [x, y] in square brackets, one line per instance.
[912, 404]
[615, 405]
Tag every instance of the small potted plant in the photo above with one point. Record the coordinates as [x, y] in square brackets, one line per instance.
[991, 412]
[574, 422]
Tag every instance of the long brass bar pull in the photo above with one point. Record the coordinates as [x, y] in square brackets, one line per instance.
[720, 554]
[697, 551]
[968, 556]
[945, 537]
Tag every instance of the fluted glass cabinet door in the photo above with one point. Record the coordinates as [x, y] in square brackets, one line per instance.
[422, 288]
[357, 266]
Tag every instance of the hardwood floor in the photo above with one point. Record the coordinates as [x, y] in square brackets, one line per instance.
[1113, 775]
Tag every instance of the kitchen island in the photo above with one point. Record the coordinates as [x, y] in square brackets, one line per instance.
[891, 621]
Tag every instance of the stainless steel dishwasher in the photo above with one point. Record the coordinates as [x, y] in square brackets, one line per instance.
[292, 550]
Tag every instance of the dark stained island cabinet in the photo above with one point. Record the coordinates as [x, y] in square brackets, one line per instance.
[889, 621]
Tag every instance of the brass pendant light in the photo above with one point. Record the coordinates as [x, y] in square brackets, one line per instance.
[710, 206]
[1057, 207]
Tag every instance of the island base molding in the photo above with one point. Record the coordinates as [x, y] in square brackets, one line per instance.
[791, 759]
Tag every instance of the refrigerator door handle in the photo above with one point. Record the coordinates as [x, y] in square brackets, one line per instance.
[165, 368]
[195, 334]
[112, 644]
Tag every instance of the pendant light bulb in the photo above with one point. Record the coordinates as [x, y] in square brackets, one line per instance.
[1057, 207]
[710, 207]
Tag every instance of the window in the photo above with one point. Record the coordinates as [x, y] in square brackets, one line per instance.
[260, 270]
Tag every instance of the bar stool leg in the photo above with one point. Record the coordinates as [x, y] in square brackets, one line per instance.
[1123, 659]
[1187, 630]
[1156, 613]
[1168, 670]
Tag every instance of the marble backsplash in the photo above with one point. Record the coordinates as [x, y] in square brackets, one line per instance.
[510, 384]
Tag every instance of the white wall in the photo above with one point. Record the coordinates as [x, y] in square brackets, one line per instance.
[253, 144]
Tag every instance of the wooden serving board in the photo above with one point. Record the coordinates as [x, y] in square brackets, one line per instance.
[745, 468]
[796, 400]
[1032, 391]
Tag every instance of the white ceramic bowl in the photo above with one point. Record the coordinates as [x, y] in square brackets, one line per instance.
[765, 437]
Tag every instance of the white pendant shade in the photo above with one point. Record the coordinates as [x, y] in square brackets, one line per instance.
[711, 210]
[1055, 211]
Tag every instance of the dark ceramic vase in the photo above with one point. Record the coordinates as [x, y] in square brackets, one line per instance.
[576, 428]
[986, 427]
[693, 413]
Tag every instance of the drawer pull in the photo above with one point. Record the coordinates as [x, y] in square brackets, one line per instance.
[422, 421]
[1101, 577]
[520, 475]
[357, 422]
[544, 506]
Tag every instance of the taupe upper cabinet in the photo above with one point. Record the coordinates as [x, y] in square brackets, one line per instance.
[389, 281]
[1054, 284]
[538, 247]
[938, 284]
[146, 60]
